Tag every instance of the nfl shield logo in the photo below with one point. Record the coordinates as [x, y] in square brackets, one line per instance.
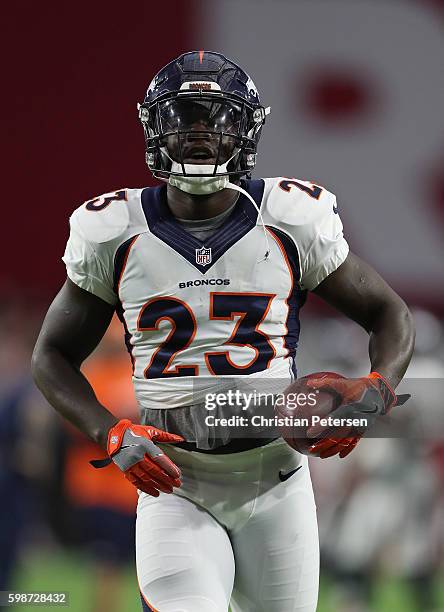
[203, 256]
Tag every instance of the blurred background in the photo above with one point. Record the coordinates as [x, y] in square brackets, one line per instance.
[357, 90]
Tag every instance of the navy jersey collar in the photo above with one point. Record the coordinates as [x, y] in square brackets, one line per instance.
[162, 223]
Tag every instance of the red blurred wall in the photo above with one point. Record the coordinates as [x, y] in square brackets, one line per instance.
[72, 76]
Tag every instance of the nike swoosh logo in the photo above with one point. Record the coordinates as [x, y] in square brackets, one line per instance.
[283, 477]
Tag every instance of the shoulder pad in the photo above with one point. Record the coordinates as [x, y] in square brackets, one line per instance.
[104, 218]
[297, 202]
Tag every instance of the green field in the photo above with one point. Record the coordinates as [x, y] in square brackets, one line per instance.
[76, 575]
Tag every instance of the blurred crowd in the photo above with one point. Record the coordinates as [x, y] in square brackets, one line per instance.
[52, 497]
[380, 511]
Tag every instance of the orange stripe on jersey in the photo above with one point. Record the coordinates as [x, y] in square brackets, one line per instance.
[290, 271]
[125, 261]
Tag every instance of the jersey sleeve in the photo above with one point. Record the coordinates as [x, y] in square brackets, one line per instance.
[325, 248]
[85, 267]
[309, 214]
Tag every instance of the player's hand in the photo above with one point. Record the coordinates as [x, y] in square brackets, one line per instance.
[364, 398]
[131, 447]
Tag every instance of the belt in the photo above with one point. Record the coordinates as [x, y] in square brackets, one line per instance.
[234, 446]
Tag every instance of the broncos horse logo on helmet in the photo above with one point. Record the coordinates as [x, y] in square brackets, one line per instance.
[202, 117]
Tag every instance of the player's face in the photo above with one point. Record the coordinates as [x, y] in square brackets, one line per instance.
[200, 132]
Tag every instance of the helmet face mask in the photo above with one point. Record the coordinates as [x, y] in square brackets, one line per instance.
[213, 119]
[200, 131]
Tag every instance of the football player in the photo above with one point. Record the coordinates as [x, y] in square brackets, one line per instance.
[207, 273]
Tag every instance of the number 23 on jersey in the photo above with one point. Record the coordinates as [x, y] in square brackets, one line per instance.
[250, 308]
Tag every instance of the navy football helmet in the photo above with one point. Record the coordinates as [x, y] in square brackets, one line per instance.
[201, 109]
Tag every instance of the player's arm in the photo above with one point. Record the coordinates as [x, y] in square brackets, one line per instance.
[356, 290]
[74, 325]
[311, 217]
[352, 287]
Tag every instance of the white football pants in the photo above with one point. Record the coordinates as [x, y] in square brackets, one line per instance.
[233, 535]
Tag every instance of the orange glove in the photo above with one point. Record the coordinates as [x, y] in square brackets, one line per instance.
[131, 447]
[359, 398]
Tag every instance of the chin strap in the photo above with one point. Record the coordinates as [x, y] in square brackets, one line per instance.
[198, 185]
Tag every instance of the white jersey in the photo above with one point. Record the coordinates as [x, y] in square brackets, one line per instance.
[194, 312]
